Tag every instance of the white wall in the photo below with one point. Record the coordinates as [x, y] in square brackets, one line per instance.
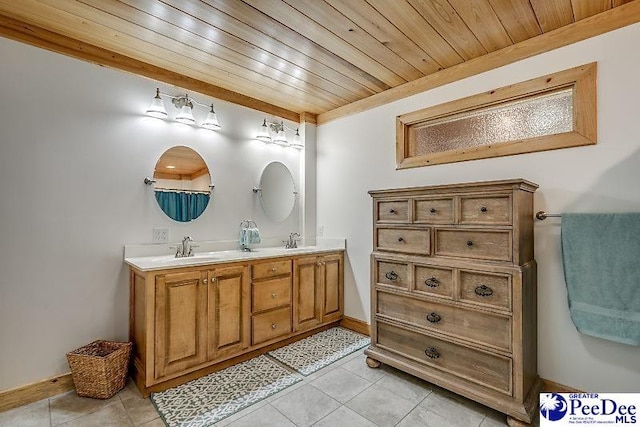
[357, 153]
[74, 150]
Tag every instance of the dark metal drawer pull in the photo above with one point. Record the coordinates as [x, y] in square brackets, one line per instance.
[432, 282]
[434, 317]
[391, 275]
[432, 210]
[469, 243]
[483, 209]
[484, 291]
[432, 353]
[400, 239]
[392, 211]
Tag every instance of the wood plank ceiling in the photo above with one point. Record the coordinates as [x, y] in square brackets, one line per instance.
[287, 57]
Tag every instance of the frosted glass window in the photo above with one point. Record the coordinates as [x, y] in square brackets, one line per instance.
[535, 116]
[545, 113]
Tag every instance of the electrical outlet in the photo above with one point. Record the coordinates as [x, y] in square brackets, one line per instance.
[320, 230]
[160, 235]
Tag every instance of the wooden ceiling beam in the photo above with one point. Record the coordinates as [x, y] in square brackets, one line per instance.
[586, 28]
[39, 37]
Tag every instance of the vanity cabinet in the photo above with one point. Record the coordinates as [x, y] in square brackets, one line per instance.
[453, 290]
[188, 321]
[199, 316]
[317, 290]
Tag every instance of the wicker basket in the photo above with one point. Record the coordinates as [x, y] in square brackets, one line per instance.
[99, 369]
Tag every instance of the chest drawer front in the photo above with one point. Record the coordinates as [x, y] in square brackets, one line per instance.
[489, 370]
[270, 325]
[433, 281]
[489, 244]
[486, 210]
[271, 294]
[434, 211]
[408, 240]
[267, 270]
[392, 273]
[483, 328]
[486, 289]
[392, 211]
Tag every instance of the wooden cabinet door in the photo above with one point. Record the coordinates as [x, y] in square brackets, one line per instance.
[180, 322]
[331, 274]
[228, 312]
[307, 297]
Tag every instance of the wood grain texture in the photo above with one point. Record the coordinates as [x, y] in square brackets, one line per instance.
[40, 37]
[581, 79]
[466, 324]
[307, 294]
[553, 14]
[589, 27]
[328, 57]
[223, 311]
[33, 392]
[356, 325]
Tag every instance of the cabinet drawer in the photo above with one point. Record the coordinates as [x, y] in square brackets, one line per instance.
[489, 244]
[486, 289]
[434, 211]
[392, 211]
[270, 325]
[489, 370]
[434, 281]
[408, 240]
[485, 210]
[271, 294]
[266, 270]
[392, 273]
[490, 329]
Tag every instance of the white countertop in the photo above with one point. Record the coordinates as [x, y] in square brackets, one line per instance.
[152, 257]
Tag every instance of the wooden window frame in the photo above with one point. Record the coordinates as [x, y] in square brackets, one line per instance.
[583, 81]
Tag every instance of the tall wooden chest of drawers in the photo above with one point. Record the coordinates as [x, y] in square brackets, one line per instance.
[453, 290]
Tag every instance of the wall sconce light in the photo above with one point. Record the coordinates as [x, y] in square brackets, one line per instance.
[274, 132]
[185, 104]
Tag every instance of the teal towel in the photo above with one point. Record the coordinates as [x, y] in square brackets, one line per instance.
[601, 257]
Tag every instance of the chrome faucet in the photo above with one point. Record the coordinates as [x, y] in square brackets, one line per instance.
[292, 243]
[185, 249]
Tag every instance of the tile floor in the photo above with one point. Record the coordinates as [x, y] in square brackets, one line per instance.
[345, 393]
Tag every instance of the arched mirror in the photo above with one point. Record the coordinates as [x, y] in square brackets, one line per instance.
[182, 184]
[277, 191]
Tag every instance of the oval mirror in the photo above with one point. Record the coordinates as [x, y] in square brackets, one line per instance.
[277, 191]
[182, 184]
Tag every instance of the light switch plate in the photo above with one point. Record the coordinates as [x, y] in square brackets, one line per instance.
[160, 235]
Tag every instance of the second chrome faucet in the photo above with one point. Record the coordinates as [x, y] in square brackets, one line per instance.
[292, 243]
[185, 249]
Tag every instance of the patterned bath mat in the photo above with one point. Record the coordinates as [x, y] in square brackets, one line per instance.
[208, 399]
[317, 351]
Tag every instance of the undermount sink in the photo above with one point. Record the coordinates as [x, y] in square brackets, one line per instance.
[172, 260]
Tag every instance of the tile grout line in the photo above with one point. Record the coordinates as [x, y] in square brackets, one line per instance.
[49, 410]
[412, 409]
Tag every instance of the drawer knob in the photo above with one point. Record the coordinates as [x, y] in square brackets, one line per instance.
[483, 291]
[483, 209]
[273, 326]
[432, 282]
[204, 281]
[391, 275]
[400, 239]
[392, 211]
[434, 317]
[432, 353]
[273, 269]
[274, 296]
[432, 210]
[469, 243]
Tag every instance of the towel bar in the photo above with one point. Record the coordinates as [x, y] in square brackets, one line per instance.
[542, 215]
